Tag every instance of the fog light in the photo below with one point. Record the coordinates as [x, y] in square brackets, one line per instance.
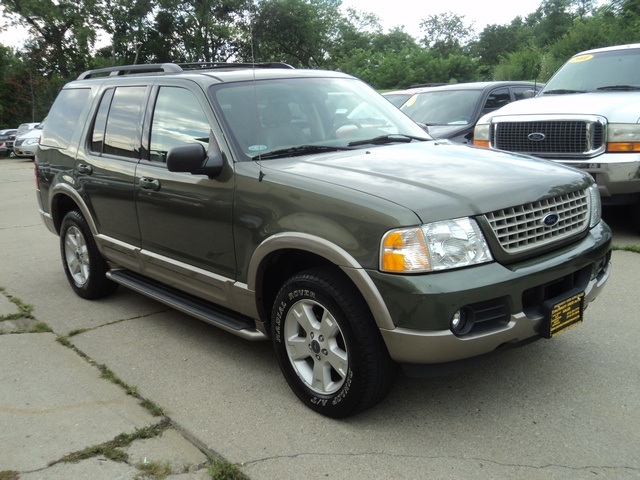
[462, 321]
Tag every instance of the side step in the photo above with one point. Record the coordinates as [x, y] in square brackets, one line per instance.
[201, 309]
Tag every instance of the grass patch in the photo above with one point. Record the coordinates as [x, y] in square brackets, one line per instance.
[154, 409]
[112, 449]
[9, 475]
[223, 470]
[627, 248]
[24, 309]
[155, 470]
[41, 327]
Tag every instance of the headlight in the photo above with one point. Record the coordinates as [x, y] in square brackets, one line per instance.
[623, 138]
[595, 206]
[31, 141]
[434, 246]
[481, 135]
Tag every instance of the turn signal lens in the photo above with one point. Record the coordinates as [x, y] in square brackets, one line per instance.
[434, 246]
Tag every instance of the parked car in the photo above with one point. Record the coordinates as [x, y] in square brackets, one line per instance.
[237, 193]
[585, 117]
[25, 127]
[451, 111]
[6, 141]
[399, 97]
[25, 145]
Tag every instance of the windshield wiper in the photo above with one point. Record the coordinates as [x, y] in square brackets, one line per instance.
[562, 91]
[299, 150]
[620, 88]
[391, 138]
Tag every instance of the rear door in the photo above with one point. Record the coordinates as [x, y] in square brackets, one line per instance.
[105, 167]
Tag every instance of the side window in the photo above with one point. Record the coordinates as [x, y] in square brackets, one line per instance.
[64, 116]
[117, 123]
[100, 123]
[524, 92]
[178, 119]
[497, 98]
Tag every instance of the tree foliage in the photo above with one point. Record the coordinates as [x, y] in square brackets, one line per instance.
[69, 36]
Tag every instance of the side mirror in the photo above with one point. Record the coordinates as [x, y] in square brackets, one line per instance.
[193, 158]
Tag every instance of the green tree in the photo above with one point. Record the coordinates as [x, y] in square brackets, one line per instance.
[127, 23]
[446, 33]
[63, 31]
[550, 21]
[300, 32]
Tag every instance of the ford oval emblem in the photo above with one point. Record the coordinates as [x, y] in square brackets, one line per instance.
[550, 219]
[536, 136]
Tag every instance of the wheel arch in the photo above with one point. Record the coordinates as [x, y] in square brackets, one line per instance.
[282, 255]
[64, 199]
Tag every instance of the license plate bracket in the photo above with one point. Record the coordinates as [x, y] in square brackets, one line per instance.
[563, 313]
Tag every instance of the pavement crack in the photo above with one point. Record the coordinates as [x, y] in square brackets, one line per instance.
[480, 460]
[115, 322]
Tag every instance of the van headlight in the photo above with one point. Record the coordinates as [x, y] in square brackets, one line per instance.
[481, 135]
[434, 246]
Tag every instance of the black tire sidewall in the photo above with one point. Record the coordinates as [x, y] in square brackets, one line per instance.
[97, 285]
[350, 397]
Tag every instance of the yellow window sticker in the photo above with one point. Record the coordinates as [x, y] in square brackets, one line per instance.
[581, 58]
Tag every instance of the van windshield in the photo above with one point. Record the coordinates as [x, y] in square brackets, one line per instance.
[614, 70]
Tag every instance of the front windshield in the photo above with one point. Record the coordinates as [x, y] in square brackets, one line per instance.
[587, 73]
[445, 107]
[329, 113]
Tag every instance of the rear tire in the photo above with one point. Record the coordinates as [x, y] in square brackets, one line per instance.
[328, 346]
[84, 266]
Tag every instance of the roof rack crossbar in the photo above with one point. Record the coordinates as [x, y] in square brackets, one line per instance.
[214, 65]
[124, 69]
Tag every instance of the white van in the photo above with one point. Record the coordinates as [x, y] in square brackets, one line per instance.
[587, 116]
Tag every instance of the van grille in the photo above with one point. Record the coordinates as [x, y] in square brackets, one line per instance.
[523, 228]
[564, 138]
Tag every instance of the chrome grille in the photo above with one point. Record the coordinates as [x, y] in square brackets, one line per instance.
[520, 229]
[568, 138]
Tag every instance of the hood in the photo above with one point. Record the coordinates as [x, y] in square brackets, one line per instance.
[437, 180]
[617, 107]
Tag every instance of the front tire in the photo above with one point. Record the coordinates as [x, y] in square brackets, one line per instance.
[328, 346]
[84, 266]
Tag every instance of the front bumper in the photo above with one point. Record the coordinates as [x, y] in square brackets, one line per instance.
[422, 306]
[617, 174]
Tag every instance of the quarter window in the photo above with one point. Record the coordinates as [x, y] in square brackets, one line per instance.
[64, 116]
[178, 119]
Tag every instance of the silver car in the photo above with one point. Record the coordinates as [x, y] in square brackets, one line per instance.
[26, 144]
[6, 141]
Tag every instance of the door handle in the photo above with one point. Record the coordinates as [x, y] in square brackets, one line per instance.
[84, 168]
[149, 184]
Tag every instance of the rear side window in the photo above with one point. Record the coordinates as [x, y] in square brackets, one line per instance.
[64, 116]
[117, 124]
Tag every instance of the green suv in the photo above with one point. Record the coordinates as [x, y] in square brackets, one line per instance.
[302, 207]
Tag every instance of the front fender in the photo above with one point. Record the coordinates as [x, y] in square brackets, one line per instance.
[330, 252]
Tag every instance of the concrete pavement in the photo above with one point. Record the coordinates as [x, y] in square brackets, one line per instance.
[566, 408]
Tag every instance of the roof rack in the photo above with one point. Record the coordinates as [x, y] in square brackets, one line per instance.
[124, 69]
[175, 68]
[214, 65]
